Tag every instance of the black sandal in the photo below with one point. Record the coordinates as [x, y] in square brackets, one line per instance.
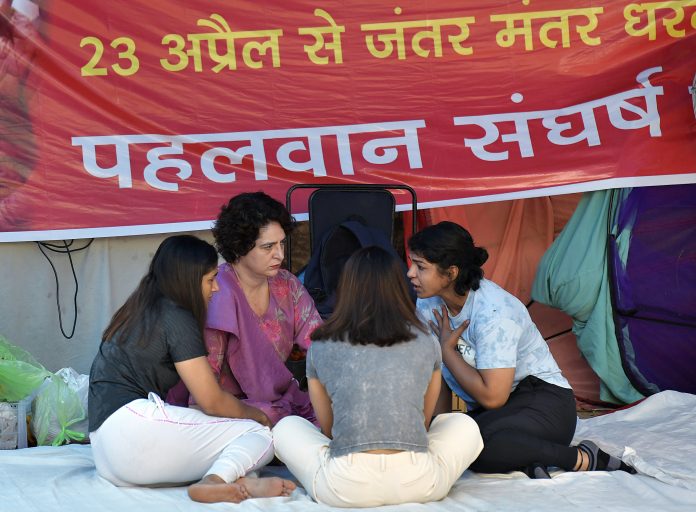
[599, 460]
[536, 471]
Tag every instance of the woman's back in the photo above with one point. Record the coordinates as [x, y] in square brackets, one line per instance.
[377, 393]
[374, 377]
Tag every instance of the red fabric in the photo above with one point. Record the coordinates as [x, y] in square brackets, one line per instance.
[559, 107]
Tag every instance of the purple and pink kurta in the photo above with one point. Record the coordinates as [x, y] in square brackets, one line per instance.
[248, 352]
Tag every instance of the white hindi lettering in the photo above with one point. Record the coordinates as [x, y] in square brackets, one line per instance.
[551, 120]
[388, 146]
[208, 164]
[381, 149]
[121, 168]
[316, 154]
[406, 135]
[155, 164]
[650, 116]
[255, 149]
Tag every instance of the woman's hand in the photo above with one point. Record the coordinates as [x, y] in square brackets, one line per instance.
[212, 399]
[447, 336]
[489, 387]
[258, 416]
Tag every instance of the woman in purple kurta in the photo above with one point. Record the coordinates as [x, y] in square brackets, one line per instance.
[248, 351]
[260, 312]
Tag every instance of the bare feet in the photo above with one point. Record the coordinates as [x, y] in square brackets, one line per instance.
[267, 487]
[213, 489]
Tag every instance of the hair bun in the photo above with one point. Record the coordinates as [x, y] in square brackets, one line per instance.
[481, 256]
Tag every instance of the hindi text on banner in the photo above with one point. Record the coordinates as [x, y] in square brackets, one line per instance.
[556, 27]
[381, 149]
[615, 105]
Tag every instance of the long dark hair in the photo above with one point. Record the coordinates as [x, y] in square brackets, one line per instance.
[373, 306]
[176, 273]
[448, 244]
[240, 220]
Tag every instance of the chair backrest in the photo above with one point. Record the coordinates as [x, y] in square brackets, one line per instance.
[330, 254]
[331, 207]
[331, 204]
[342, 219]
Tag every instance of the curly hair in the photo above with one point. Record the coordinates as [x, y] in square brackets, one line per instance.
[448, 244]
[238, 225]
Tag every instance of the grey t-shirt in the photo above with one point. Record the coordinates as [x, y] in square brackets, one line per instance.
[123, 372]
[377, 393]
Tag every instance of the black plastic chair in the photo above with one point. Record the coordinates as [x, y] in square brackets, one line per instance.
[330, 205]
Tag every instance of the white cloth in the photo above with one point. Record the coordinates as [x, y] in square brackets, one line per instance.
[501, 334]
[371, 480]
[149, 442]
[659, 434]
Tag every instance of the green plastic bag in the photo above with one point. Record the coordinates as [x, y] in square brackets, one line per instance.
[20, 373]
[56, 409]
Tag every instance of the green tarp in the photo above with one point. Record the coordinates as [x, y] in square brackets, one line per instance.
[572, 276]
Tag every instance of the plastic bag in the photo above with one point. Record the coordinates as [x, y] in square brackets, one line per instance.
[79, 383]
[20, 373]
[8, 426]
[59, 416]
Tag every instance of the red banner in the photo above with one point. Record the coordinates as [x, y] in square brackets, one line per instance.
[146, 116]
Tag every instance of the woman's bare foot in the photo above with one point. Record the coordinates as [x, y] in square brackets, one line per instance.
[213, 489]
[267, 487]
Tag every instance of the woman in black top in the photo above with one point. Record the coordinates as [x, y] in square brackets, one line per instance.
[153, 340]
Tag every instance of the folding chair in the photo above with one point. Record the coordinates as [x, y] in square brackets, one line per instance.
[330, 205]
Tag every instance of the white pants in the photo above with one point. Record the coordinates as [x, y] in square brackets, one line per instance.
[371, 480]
[149, 442]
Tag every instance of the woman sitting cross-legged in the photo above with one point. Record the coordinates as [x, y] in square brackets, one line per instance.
[374, 377]
[152, 341]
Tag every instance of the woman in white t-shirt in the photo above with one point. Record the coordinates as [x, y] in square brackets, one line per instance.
[496, 360]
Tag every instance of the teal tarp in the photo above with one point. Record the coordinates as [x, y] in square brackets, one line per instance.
[572, 276]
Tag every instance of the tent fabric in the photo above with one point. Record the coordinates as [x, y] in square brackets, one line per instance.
[657, 436]
[652, 278]
[573, 276]
[556, 328]
[515, 234]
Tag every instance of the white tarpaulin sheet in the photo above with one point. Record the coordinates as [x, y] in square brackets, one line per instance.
[657, 436]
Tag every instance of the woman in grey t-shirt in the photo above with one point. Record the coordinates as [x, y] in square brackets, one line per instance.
[374, 377]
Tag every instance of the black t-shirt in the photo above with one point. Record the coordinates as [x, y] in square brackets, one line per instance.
[124, 371]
